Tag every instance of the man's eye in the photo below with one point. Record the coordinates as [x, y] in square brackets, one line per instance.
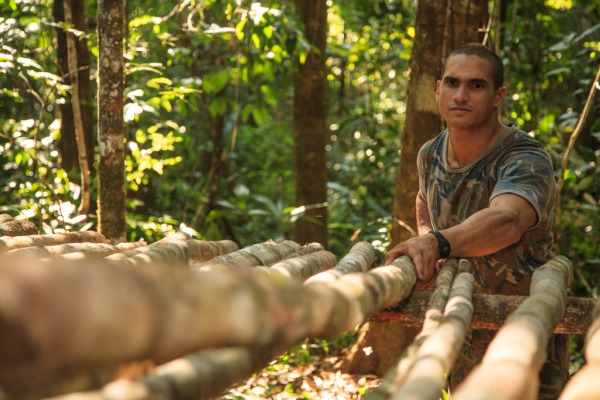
[476, 86]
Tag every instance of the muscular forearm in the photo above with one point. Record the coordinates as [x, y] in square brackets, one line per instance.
[423, 218]
[491, 229]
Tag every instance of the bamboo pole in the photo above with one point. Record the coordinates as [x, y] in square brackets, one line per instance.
[435, 358]
[584, 385]
[121, 313]
[433, 316]
[514, 358]
[74, 250]
[174, 252]
[359, 259]
[17, 242]
[491, 312]
[251, 256]
[300, 268]
[187, 378]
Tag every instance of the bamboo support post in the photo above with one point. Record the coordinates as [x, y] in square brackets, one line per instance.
[512, 362]
[583, 385]
[435, 358]
[433, 316]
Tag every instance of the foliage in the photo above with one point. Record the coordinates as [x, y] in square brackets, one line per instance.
[214, 79]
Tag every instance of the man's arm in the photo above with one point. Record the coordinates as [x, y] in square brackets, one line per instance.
[485, 232]
[423, 219]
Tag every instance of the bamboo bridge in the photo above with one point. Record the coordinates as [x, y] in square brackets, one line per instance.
[77, 312]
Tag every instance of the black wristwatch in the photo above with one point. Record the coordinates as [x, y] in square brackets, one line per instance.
[443, 244]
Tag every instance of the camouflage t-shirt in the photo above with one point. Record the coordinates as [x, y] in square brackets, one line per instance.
[516, 164]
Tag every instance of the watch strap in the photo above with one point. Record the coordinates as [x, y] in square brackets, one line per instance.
[443, 244]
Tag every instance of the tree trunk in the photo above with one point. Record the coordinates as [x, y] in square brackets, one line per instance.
[111, 129]
[67, 144]
[440, 26]
[518, 351]
[310, 126]
[84, 206]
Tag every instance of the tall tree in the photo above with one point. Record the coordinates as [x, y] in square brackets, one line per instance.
[73, 64]
[310, 126]
[67, 144]
[440, 26]
[111, 129]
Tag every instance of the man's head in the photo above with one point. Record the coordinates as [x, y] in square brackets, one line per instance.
[481, 51]
[471, 90]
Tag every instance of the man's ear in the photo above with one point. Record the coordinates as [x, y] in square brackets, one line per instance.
[437, 90]
[500, 96]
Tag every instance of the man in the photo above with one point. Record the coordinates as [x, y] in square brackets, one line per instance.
[486, 192]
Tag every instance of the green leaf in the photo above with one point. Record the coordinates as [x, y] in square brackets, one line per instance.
[239, 29]
[156, 82]
[215, 82]
[218, 106]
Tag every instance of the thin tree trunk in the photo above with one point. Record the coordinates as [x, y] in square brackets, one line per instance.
[518, 351]
[111, 129]
[84, 206]
[310, 126]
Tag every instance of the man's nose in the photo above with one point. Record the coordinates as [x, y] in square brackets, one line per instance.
[461, 94]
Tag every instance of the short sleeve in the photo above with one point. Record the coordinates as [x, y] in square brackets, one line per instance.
[528, 173]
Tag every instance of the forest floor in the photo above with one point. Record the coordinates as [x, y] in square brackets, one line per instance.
[304, 376]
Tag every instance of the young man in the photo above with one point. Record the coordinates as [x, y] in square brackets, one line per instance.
[486, 192]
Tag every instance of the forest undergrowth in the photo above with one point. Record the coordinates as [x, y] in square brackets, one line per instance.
[309, 371]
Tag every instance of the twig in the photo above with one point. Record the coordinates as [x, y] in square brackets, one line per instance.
[570, 146]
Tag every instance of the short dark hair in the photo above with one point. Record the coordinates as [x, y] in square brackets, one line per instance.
[479, 50]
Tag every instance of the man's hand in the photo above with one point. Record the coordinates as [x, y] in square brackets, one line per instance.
[423, 252]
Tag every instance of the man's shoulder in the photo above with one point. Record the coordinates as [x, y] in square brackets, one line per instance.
[524, 146]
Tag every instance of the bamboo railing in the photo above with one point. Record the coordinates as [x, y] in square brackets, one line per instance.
[198, 316]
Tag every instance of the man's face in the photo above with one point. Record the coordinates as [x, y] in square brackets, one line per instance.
[466, 96]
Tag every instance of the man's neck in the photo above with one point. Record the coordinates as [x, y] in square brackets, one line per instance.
[465, 146]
